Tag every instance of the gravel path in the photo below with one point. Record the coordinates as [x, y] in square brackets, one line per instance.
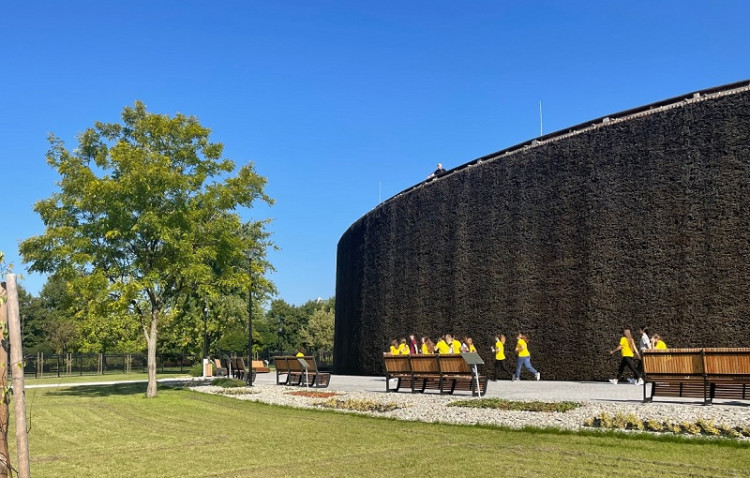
[432, 407]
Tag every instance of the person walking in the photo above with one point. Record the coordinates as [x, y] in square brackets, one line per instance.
[428, 347]
[524, 358]
[629, 352]
[500, 363]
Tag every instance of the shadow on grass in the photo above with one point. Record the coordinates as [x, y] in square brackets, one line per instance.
[106, 390]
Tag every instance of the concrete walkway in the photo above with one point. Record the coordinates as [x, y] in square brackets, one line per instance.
[544, 390]
[518, 390]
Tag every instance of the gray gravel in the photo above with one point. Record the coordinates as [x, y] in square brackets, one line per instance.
[596, 398]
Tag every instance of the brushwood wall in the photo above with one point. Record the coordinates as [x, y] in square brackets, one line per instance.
[643, 221]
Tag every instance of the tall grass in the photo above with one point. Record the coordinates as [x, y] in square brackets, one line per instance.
[114, 431]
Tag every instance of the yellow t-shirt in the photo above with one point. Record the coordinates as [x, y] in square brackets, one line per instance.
[442, 347]
[300, 354]
[626, 350]
[456, 346]
[403, 349]
[426, 349]
[523, 350]
[499, 351]
[660, 345]
[394, 350]
[472, 348]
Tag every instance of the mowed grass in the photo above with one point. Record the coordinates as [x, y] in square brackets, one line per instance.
[114, 431]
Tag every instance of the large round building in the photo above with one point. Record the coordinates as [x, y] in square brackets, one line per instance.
[641, 218]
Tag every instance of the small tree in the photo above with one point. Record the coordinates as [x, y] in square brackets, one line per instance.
[146, 212]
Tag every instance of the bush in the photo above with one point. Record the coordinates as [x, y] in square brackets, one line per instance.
[196, 370]
[228, 382]
[358, 405]
[500, 404]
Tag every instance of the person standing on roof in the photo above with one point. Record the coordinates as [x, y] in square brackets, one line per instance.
[438, 172]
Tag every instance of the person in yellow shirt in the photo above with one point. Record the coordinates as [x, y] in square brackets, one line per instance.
[454, 345]
[403, 348]
[300, 353]
[524, 358]
[629, 352]
[394, 347]
[428, 347]
[658, 342]
[499, 350]
[442, 347]
[468, 345]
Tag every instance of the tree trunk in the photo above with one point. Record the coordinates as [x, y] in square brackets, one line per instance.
[4, 408]
[151, 362]
[19, 395]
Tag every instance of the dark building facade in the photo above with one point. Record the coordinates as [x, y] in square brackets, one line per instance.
[640, 218]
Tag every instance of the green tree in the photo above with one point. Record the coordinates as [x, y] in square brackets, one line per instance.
[146, 213]
[318, 335]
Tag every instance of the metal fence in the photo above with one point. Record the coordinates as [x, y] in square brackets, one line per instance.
[66, 365]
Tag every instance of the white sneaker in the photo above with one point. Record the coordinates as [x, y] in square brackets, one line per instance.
[613, 381]
[639, 382]
[538, 375]
[515, 379]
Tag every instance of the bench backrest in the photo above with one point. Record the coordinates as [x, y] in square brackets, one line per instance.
[673, 362]
[282, 364]
[453, 363]
[424, 364]
[256, 364]
[312, 365]
[727, 361]
[397, 363]
[294, 365]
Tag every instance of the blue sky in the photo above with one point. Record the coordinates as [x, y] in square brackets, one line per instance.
[340, 104]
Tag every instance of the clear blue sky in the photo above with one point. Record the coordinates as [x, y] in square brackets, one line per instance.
[341, 103]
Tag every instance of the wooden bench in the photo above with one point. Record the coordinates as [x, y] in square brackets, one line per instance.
[674, 373]
[444, 373]
[282, 370]
[706, 373]
[290, 371]
[728, 372]
[314, 376]
[398, 368]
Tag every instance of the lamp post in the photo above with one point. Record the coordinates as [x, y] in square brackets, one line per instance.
[278, 340]
[249, 374]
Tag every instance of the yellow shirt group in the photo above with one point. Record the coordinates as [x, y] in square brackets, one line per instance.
[499, 351]
[403, 349]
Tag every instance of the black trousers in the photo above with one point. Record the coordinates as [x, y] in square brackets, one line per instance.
[629, 363]
[501, 364]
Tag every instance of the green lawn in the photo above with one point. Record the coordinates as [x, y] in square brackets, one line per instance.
[115, 377]
[114, 431]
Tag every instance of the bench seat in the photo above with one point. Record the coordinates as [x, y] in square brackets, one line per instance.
[707, 373]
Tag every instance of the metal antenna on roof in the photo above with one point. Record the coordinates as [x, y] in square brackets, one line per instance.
[541, 133]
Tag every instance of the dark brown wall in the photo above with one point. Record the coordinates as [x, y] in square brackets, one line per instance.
[641, 222]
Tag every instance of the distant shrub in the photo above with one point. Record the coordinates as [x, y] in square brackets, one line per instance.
[313, 394]
[699, 427]
[196, 370]
[228, 382]
[359, 405]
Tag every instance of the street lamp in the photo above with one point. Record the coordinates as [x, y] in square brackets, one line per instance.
[249, 373]
[278, 342]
